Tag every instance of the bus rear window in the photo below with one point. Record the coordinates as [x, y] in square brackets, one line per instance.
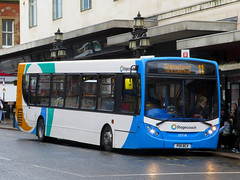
[25, 87]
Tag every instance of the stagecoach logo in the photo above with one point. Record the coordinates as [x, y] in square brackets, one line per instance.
[174, 127]
[122, 68]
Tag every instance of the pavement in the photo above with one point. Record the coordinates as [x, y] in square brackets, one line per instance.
[8, 124]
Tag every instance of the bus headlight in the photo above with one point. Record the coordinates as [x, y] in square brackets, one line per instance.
[152, 130]
[210, 131]
[214, 128]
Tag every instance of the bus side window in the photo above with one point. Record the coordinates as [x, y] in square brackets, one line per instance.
[33, 89]
[72, 91]
[25, 87]
[89, 94]
[57, 96]
[130, 94]
[106, 92]
[43, 90]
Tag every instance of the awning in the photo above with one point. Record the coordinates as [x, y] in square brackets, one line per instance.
[177, 31]
[219, 39]
[4, 74]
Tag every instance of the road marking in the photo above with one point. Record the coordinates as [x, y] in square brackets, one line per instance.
[60, 171]
[182, 165]
[132, 175]
[2, 158]
[164, 174]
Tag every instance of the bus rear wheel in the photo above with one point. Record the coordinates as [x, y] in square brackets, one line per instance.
[107, 139]
[41, 130]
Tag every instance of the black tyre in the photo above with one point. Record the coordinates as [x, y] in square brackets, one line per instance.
[41, 130]
[107, 139]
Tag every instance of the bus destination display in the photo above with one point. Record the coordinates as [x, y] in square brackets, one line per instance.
[180, 67]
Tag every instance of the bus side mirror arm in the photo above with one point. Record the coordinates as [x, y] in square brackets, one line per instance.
[133, 68]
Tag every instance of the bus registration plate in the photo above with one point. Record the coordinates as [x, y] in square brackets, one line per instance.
[182, 146]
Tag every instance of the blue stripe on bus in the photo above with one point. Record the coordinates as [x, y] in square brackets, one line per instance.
[49, 121]
[131, 140]
[44, 115]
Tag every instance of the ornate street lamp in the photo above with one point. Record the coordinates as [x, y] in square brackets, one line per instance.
[58, 51]
[139, 42]
[58, 35]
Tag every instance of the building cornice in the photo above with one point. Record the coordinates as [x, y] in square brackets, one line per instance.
[72, 34]
[194, 9]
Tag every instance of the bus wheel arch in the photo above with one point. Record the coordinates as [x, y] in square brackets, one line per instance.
[41, 129]
[106, 139]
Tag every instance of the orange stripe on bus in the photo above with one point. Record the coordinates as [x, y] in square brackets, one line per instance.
[19, 107]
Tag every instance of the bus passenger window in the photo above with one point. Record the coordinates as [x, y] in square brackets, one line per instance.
[89, 92]
[57, 96]
[33, 88]
[106, 93]
[43, 93]
[72, 91]
[25, 87]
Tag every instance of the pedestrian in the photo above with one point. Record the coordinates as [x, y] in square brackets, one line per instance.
[224, 115]
[1, 109]
[237, 130]
[233, 112]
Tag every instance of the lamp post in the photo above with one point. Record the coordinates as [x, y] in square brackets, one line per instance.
[58, 51]
[139, 42]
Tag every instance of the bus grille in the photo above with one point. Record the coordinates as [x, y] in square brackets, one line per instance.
[19, 117]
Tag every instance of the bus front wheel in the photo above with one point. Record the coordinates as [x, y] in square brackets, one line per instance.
[107, 138]
[41, 130]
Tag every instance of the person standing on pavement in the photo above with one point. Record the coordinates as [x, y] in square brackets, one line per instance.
[1, 109]
[237, 130]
